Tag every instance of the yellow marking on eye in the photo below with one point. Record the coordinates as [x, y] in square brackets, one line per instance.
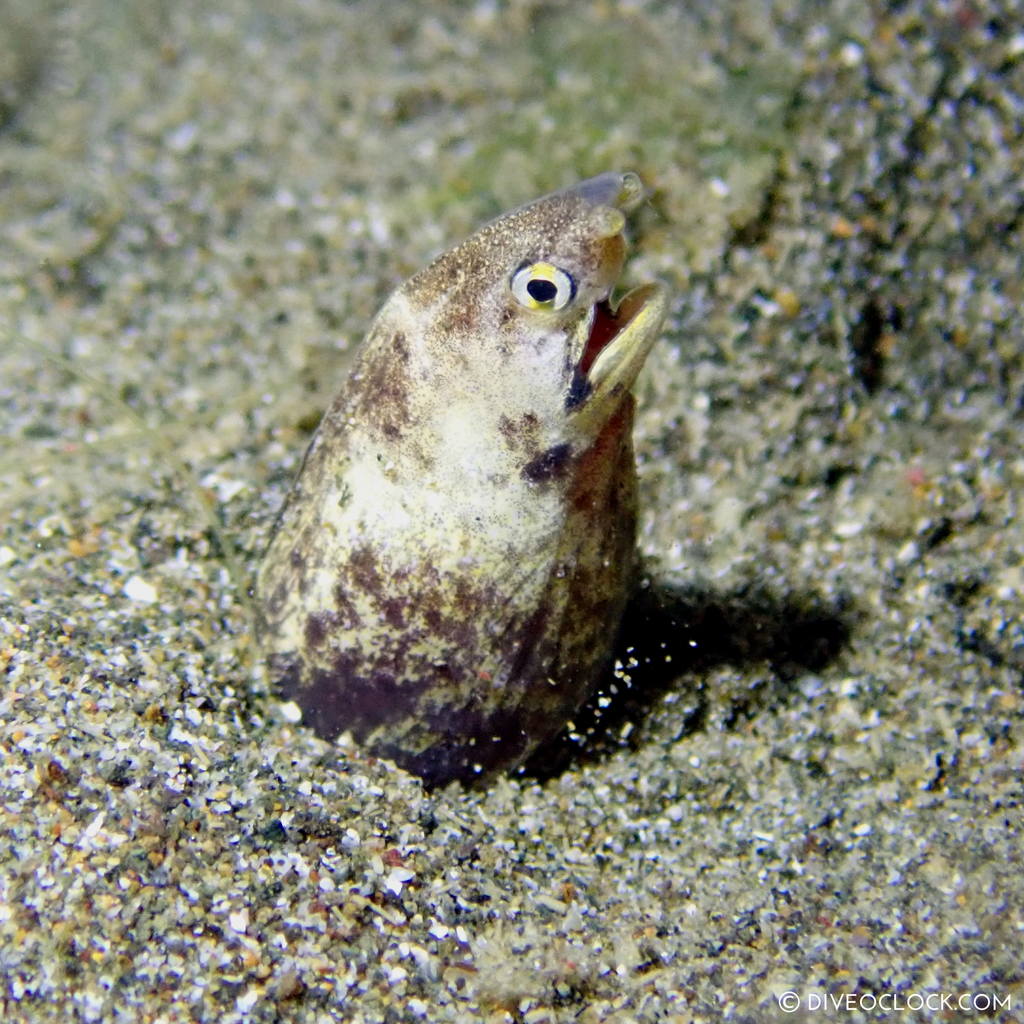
[542, 285]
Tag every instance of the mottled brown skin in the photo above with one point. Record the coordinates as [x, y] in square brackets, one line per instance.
[448, 573]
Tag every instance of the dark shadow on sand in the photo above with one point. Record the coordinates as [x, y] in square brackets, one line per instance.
[670, 637]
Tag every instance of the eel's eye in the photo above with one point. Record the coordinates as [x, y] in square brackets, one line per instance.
[542, 286]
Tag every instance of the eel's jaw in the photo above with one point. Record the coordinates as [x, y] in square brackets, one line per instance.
[619, 343]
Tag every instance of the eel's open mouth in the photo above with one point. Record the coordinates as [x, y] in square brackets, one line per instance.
[608, 323]
[604, 327]
[618, 343]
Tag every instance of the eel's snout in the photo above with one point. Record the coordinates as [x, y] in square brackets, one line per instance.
[621, 190]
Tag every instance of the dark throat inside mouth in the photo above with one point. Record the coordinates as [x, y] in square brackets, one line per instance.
[605, 326]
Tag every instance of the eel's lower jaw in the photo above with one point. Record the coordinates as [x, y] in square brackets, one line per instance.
[619, 342]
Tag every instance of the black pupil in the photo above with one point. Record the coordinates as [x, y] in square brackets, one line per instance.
[541, 290]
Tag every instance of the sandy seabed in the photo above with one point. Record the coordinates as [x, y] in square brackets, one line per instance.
[813, 812]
